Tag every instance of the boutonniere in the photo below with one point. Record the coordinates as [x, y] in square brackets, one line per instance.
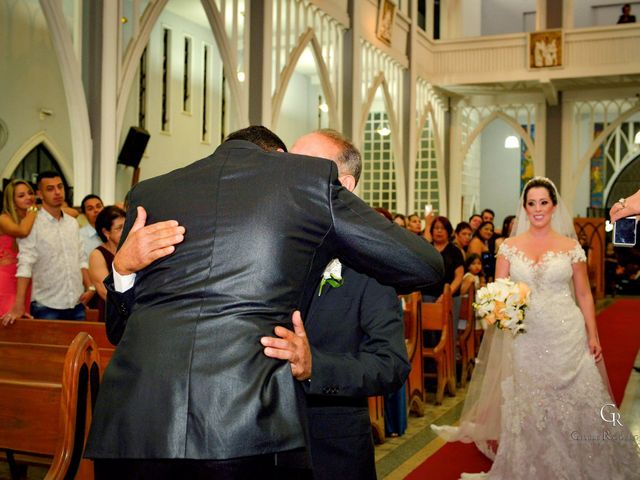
[332, 275]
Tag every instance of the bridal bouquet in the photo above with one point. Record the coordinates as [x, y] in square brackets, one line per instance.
[503, 302]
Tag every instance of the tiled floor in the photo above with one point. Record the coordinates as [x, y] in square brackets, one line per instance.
[400, 455]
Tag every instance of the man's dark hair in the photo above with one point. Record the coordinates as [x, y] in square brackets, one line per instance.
[46, 174]
[105, 219]
[462, 226]
[473, 216]
[88, 197]
[488, 210]
[259, 135]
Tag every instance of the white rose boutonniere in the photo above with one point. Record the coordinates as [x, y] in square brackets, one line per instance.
[332, 275]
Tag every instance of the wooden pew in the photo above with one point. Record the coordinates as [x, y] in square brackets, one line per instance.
[438, 317]
[58, 332]
[46, 398]
[413, 339]
[467, 336]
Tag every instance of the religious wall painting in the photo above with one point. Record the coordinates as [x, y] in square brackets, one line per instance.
[545, 49]
[386, 18]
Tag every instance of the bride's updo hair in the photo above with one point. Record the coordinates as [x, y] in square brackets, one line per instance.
[537, 182]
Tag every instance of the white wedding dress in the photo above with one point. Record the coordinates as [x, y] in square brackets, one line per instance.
[556, 413]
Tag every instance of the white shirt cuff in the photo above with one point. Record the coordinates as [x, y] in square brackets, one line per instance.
[122, 283]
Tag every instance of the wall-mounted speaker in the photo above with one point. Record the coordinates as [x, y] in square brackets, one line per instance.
[133, 147]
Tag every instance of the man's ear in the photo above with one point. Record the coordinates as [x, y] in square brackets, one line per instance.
[348, 182]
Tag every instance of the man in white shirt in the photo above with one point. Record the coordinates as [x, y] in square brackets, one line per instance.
[91, 206]
[53, 256]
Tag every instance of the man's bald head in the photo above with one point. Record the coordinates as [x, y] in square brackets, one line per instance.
[332, 145]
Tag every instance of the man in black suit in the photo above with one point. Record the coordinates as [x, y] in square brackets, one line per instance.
[188, 391]
[357, 350]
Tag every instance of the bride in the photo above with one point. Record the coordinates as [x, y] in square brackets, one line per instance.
[539, 404]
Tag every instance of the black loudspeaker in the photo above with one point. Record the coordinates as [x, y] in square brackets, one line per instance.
[133, 147]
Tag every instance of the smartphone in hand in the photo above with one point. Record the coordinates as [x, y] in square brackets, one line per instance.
[624, 232]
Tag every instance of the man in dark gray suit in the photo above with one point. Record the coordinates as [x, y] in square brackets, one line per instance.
[189, 391]
[357, 349]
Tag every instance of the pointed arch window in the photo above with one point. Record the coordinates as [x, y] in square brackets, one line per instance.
[426, 179]
[40, 159]
[378, 172]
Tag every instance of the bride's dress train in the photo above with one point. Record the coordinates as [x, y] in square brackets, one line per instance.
[556, 418]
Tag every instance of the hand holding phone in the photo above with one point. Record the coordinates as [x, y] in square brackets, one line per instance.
[624, 232]
[428, 209]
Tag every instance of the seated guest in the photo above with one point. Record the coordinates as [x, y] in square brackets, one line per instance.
[475, 220]
[507, 227]
[462, 236]
[108, 224]
[480, 245]
[400, 220]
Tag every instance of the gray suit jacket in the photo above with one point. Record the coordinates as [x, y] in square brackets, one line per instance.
[189, 378]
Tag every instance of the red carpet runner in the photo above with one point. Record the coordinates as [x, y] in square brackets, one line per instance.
[619, 330]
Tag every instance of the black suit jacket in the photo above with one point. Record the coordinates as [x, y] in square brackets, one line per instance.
[189, 378]
[357, 341]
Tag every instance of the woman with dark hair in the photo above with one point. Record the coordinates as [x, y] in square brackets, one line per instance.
[109, 223]
[441, 232]
[480, 245]
[546, 380]
[19, 213]
[507, 227]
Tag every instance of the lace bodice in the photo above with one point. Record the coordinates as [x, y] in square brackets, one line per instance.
[550, 277]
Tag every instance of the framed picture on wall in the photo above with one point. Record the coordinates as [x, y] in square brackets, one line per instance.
[386, 17]
[545, 49]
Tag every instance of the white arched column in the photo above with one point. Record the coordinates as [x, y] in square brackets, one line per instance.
[307, 39]
[108, 102]
[74, 96]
